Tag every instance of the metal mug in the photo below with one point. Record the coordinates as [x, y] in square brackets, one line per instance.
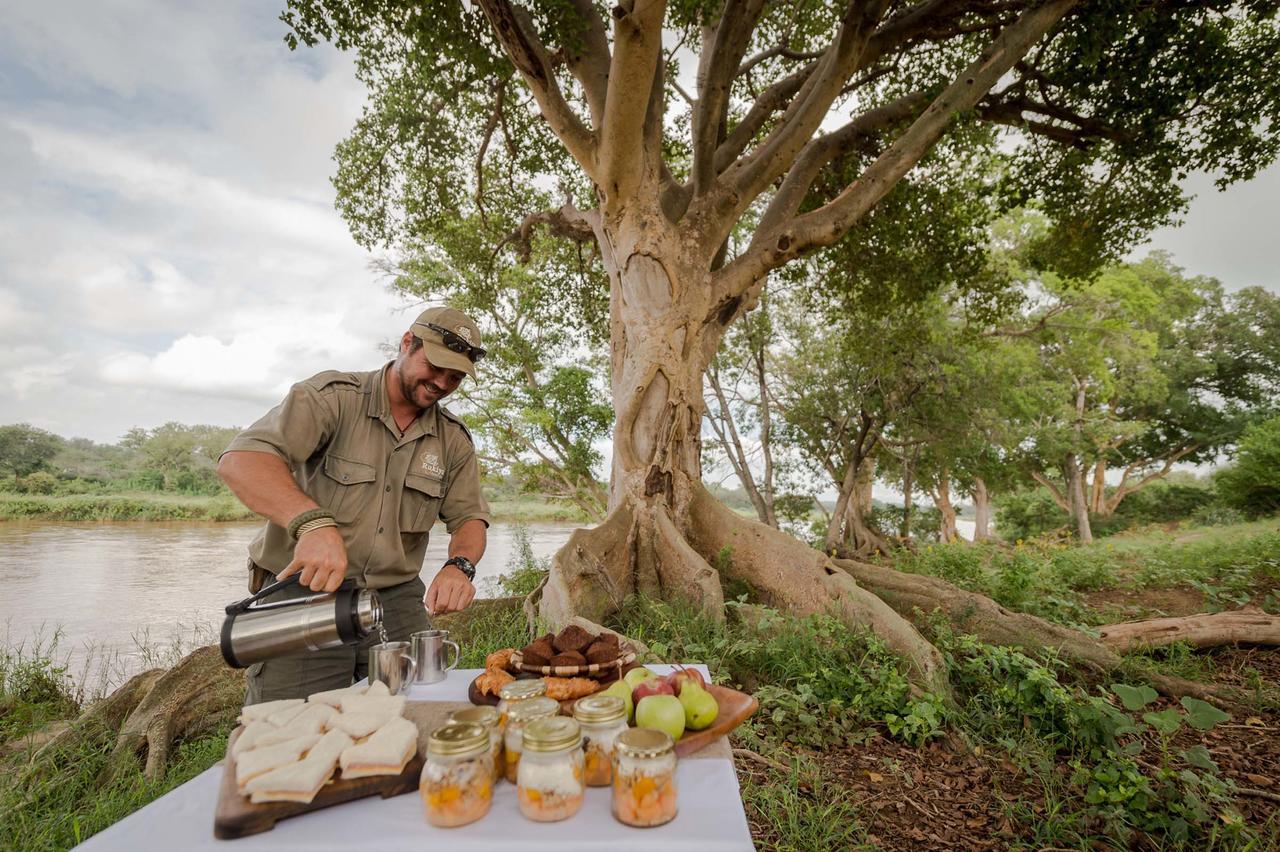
[428, 652]
[387, 663]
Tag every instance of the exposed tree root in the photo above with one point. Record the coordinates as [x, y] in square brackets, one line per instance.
[794, 577]
[197, 695]
[1250, 625]
[682, 572]
[592, 574]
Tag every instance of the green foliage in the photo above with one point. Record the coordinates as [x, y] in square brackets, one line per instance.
[25, 449]
[1031, 513]
[524, 571]
[1252, 484]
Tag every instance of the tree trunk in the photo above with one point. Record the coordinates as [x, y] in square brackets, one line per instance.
[1098, 490]
[908, 486]
[1248, 625]
[1079, 508]
[981, 510]
[861, 539]
[840, 513]
[942, 499]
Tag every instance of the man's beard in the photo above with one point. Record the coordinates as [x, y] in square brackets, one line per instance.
[409, 391]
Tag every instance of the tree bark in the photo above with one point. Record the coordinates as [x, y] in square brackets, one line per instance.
[981, 510]
[860, 538]
[908, 487]
[1248, 625]
[942, 499]
[1079, 508]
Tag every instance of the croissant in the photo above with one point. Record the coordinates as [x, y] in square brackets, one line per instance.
[492, 680]
[568, 688]
[499, 659]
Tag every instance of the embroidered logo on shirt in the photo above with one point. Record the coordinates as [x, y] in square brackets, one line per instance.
[431, 464]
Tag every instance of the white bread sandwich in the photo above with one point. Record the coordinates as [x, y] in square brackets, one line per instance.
[300, 781]
[391, 705]
[254, 712]
[253, 763]
[387, 751]
[333, 697]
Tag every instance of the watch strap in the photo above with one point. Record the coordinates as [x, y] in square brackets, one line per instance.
[464, 565]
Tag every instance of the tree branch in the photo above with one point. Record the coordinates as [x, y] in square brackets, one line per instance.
[771, 100]
[1054, 491]
[732, 35]
[827, 224]
[515, 32]
[637, 47]
[567, 222]
[589, 62]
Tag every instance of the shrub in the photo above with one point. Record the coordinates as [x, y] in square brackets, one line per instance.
[1252, 484]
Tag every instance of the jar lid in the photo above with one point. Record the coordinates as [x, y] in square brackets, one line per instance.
[596, 709]
[533, 708]
[519, 690]
[552, 733]
[484, 716]
[458, 739]
[643, 742]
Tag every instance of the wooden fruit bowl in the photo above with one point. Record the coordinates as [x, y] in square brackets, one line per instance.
[734, 708]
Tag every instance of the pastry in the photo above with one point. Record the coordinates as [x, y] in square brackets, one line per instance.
[572, 638]
[491, 681]
[386, 752]
[569, 658]
[567, 688]
[499, 659]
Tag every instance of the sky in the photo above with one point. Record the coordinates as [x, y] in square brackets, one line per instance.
[169, 248]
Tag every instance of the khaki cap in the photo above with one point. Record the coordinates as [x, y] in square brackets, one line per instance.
[439, 354]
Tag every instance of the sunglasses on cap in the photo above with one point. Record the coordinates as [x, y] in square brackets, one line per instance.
[454, 343]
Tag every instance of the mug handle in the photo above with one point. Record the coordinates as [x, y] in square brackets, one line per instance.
[413, 671]
[457, 655]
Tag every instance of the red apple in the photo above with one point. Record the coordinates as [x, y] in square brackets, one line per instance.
[653, 686]
[680, 677]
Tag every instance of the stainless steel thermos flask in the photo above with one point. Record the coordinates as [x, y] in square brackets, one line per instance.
[251, 634]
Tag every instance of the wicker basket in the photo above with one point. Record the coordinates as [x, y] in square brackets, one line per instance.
[599, 671]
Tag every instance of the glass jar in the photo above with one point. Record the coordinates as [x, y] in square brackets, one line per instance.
[457, 779]
[487, 718]
[644, 778]
[518, 690]
[550, 786]
[520, 714]
[602, 718]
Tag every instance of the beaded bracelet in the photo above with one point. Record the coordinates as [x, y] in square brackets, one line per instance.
[304, 517]
[317, 524]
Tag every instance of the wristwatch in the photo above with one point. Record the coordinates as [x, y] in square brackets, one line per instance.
[464, 565]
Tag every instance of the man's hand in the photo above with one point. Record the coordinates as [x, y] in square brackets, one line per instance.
[321, 557]
[450, 591]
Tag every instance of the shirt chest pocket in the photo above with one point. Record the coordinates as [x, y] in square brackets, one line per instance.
[420, 503]
[348, 485]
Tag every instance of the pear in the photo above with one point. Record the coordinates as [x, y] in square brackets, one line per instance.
[700, 707]
[620, 689]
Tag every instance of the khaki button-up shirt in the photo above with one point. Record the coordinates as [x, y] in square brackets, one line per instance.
[385, 489]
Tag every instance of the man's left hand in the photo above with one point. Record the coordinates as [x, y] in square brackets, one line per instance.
[450, 591]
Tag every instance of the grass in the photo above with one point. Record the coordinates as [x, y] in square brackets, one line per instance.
[159, 506]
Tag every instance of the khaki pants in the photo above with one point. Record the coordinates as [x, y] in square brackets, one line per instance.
[299, 675]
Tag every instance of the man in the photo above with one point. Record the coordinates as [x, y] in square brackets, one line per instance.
[351, 471]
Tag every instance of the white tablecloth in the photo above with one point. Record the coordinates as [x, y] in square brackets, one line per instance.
[711, 818]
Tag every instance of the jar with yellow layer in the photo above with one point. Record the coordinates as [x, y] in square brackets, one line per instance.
[518, 690]
[602, 718]
[644, 778]
[521, 713]
[457, 779]
[487, 718]
[550, 786]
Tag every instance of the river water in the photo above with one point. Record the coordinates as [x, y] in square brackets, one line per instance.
[122, 596]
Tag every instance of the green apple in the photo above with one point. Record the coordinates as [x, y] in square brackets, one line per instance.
[636, 675]
[700, 707]
[623, 691]
[661, 713]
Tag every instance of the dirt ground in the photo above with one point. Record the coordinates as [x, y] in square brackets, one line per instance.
[947, 797]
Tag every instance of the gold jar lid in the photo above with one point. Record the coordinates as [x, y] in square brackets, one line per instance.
[552, 733]
[533, 708]
[484, 716]
[518, 690]
[598, 709]
[643, 742]
[458, 739]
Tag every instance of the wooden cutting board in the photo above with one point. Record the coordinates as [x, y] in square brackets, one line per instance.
[735, 708]
[236, 816]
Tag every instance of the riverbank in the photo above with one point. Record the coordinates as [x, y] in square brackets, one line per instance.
[222, 508]
[843, 753]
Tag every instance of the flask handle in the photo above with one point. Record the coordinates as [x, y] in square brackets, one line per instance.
[243, 606]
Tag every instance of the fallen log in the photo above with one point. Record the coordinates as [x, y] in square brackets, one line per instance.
[1207, 630]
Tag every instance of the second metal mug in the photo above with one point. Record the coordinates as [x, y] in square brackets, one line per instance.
[387, 663]
[428, 653]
